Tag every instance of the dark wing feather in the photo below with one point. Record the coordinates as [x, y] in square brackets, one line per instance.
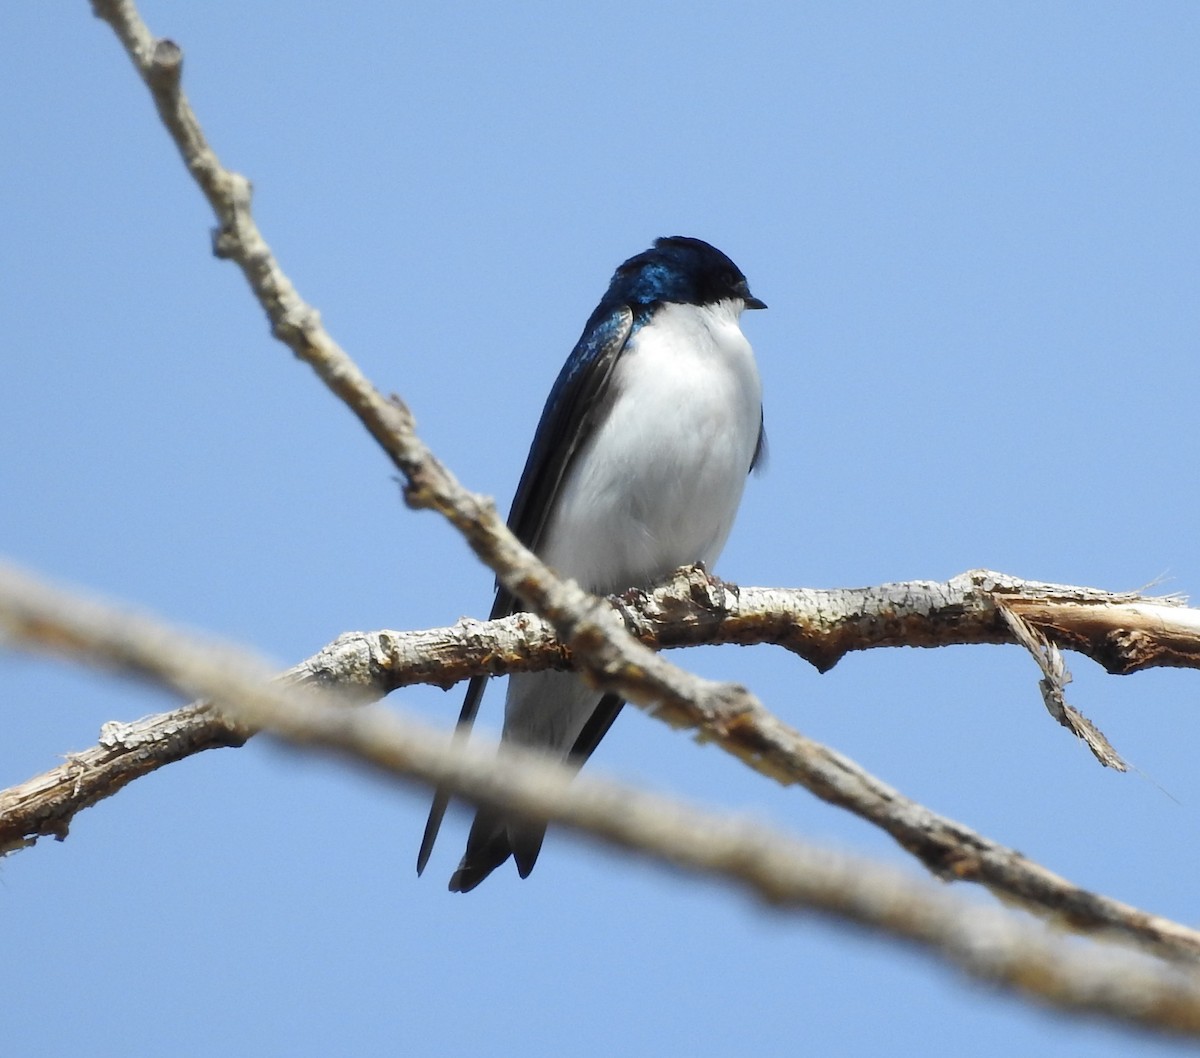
[759, 460]
[596, 728]
[567, 421]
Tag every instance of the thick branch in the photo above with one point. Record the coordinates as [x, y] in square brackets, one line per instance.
[1124, 632]
[693, 608]
[985, 943]
[367, 666]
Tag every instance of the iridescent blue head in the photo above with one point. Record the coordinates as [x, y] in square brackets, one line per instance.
[680, 270]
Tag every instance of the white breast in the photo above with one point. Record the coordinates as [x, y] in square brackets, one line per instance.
[660, 481]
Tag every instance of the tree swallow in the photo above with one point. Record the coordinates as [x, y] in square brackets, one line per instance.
[637, 468]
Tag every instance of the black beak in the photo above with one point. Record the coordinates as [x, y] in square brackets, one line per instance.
[753, 302]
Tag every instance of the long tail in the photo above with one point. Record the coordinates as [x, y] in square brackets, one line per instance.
[441, 798]
[495, 837]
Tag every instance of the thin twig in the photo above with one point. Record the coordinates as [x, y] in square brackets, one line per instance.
[1053, 686]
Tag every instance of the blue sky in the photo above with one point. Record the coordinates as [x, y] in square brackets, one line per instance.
[977, 228]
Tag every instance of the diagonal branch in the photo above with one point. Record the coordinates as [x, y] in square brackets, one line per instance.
[365, 665]
[985, 943]
[586, 626]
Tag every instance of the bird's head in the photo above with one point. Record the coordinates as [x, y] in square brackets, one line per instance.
[681, 270]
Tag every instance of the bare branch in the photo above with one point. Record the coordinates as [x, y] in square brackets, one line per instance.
[46, 804]
[586, 626]
[693, 608]
[985, 943]
[298, 325]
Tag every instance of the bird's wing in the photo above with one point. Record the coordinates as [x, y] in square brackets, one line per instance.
[568, 419]
[759, 460]
[572, 411]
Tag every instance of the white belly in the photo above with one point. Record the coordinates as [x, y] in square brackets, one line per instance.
[657, 487]
[659, 483]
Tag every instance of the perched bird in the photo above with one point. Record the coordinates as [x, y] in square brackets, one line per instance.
[637, 468]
